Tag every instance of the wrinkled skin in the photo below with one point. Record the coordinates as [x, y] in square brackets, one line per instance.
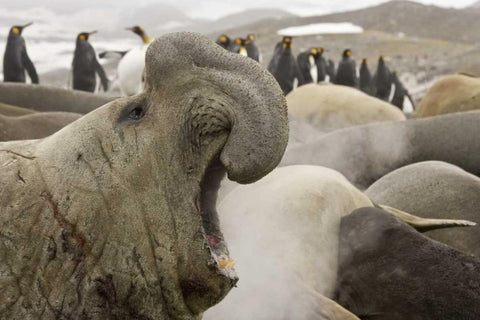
[46, 98]
[366, 153]
[109, 217]
[333, 107]
[436, 190]
[453, 93]
[34, 126]
[389, 271]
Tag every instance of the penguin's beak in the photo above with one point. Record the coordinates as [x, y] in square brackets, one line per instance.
[93, 32]
[130, 29]
[26, 25]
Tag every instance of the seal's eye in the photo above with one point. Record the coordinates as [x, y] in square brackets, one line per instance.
[137, 113]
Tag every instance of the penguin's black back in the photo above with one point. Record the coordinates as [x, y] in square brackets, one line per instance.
[365, 83]
[303, 62]
[84, 66]
[346, 72]
[331, 70]
[13, 69]
[16, 61]
[252, 51]
[284, 68]
[400, 92]
[321, 68]
[382, 81]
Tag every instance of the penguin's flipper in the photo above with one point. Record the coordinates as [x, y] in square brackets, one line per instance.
[112, 54]
[28, 64]
[103, 76]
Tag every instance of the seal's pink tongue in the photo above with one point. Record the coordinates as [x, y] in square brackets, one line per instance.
[213, 241]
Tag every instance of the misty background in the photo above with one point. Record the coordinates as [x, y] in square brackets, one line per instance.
[424, 38]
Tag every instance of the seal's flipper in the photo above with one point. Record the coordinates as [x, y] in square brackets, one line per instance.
[425, 224]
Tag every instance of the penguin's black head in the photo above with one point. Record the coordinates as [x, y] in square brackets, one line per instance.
[141, 33]
[314, 52]
[17, 30]
[251, 37]
[242, 42]
[83, 36]
[223, 39]
[320, 51]
[347, 53]
[381, 58]
[137, 30]
[364, 61]
[287, 42]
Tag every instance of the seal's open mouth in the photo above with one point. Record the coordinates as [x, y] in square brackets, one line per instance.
[214, 237]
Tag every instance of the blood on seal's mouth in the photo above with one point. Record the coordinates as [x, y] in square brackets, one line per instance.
[213, 236]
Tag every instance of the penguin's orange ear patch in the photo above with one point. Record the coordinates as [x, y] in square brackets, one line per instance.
[15, 30]
[313, 51]
[248, 41]
[238, 41]
[82, 37]
[223, 39]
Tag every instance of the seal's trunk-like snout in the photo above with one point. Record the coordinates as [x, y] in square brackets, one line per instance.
[257, 109]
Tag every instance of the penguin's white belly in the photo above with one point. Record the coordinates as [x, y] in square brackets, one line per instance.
[313, 69]
[243, 52]
[130, 71]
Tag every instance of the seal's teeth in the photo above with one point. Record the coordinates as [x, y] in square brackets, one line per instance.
[223, 263]
[231, 264]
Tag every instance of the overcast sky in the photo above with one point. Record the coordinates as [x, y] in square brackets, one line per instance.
[211, 9]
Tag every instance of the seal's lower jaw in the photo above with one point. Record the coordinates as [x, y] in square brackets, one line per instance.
[212, 288]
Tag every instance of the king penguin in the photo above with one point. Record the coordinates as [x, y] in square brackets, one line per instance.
[331, 70]
[284, 67]
[225, 42]
[131, 67]
[401, 97]
[246, 47]
[365, 83]
[85, 66]
[308, 67]
[321, 66]
[382, 80]
[347, 71]
[16, 59]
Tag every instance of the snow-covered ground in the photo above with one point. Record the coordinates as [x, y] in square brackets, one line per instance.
[321, 28]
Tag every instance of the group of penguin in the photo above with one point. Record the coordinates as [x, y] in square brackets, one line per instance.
[85, 65]
[290, 72]
[312, 67]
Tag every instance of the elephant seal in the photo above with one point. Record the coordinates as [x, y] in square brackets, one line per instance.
[436, 190]
[13, 111]
[34, 126]
[389, 271]
[46, 98]
[366, 153]
[113, 217]
[332, 107]
[452, 93]
[284, 230]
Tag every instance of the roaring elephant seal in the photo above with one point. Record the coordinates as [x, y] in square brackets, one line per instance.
[436, 190]
[34, 126]
[365, 153]
[113, 217]
[13, 111]
[332, 107]
[284, 230]
[46, 98]
[452, 93]
[389, 271]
